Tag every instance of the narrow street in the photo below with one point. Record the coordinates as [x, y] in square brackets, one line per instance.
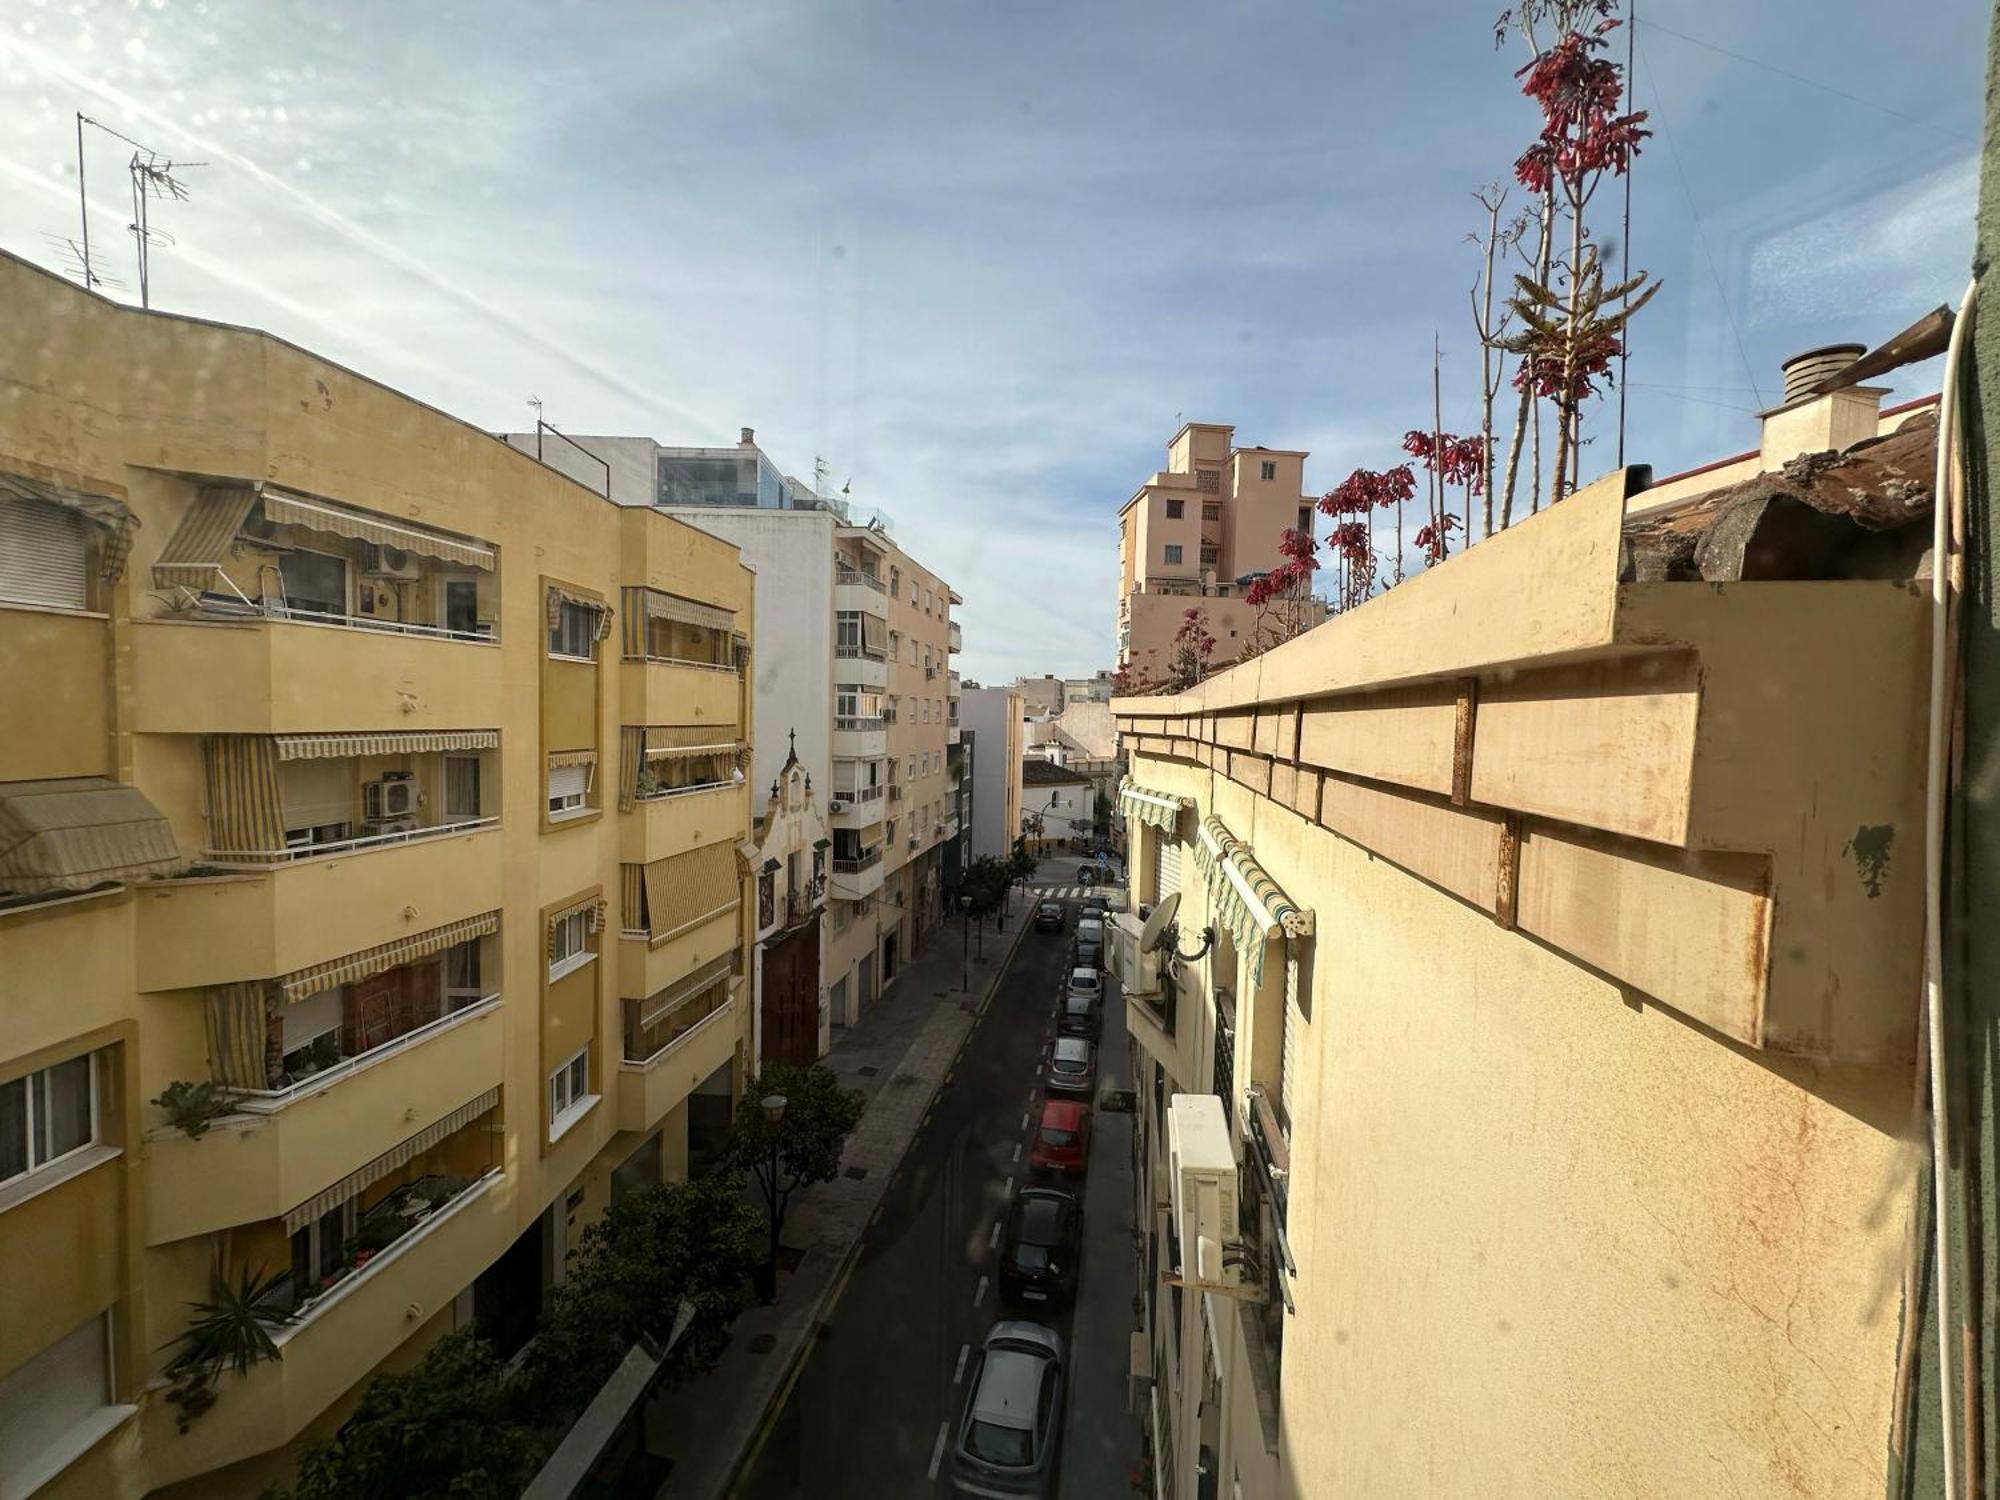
[876, 1404]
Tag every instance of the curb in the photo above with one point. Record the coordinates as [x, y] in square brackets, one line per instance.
[795, 1361]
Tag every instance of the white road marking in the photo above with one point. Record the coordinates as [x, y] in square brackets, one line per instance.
[959, 1374]
[1017, 1151]
[1024, 1119]
[1008, 1190]
[980, 1295]
[993, 1239]
[937, 1451]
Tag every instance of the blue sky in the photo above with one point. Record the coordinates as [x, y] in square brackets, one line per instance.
[983, 258]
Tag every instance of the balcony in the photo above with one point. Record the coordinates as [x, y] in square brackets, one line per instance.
[858, 591]
[673, 822]
[284, 1145]
[954, 638]
[649, 1088]
[648, 965]
[667, 690]
[343, 1334]
[856, 738]
[853, 668]
[245, 925]
[857, 807]
[951, 732]
[277, 675]
[952, 689]
[856, 876]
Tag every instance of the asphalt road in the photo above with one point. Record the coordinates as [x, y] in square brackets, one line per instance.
[876, 1405]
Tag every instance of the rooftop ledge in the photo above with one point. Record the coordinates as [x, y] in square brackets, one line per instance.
[1703, 790]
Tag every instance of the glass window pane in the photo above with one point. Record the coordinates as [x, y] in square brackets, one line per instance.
[13, 1128]
[66, 1123]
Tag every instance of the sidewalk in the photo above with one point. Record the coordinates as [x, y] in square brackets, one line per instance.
[897, 1054]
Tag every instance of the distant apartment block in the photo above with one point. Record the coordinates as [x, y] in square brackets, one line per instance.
[385, 779]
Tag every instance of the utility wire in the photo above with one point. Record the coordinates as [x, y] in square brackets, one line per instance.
[1811, 83]
[1701, 236]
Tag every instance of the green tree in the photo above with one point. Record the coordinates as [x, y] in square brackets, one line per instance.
[798, 1149]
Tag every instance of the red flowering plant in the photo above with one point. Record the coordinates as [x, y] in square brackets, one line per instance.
[1187, 662]
[1352, 539]
[1459, 461]
[1283, 597]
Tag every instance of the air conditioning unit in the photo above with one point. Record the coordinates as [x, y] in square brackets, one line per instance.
[1136, 970]
[1202, 1169]
[389, 562]
[390, 798]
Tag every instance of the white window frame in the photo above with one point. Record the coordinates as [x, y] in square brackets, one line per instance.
[569, 1098]
[569, 944]
[569, 804]
[35, 1167]
[560, 635]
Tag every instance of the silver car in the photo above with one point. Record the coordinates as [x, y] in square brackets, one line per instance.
[1013, 1413]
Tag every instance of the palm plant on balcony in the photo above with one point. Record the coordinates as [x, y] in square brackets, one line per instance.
[231, 1331]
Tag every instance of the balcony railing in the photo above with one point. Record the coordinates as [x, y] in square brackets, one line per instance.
[260, 857]
[863, 725]
[854, 575]
[690, 1016]
[662, 793]
[684, 661]
[1225, 1056]
[482, 632]
[413, 1211]
[270, 1101]
[858, 794]
[854, 650]
[867, 859]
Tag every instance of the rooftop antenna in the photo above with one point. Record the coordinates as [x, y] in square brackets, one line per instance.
[536, 403]
[152, 177]
[76, 264]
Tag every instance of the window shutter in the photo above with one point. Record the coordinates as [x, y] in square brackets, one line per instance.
[1166, 867]
[1294, 1029]
[44, 551]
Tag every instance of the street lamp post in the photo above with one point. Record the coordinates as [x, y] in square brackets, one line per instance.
[965, 932]
[774, 1113]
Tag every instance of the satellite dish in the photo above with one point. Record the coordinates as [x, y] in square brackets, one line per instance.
[1154, 933]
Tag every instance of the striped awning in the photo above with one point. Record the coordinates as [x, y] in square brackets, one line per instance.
[196, 554]
[398, 1155]
[559, 596]
[558, 759]
[80, 832]
[354, 967]
[1247, 902]
[691, 739]
[689, 889]
[289, 508]
[342, 746]
[874, 635]
[663, 606]
[1157, 809]
[114, 516]
[656, 1007]
[592, 908]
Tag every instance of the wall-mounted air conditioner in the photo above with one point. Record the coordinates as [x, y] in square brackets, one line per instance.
[1202, 1167]
[389, 562]
[391, 797]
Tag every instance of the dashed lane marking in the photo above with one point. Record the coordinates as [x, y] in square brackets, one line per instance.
[1007, 1191]
[1025, 1116]
[937, 1451]
[993, 1239]
[958, 1374]
[1017, 1151]
[980, 1295]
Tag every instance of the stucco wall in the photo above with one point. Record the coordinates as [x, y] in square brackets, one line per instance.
[994, 714]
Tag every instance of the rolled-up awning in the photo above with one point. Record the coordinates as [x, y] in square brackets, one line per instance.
[591, 908]
[80, 832]
[664, 606]
[657, 1007]
[289, 508]
[1160, 810]
[355, 967]
[196, 554]
[691, 739]
[874, 635]
[559, 596]
[688, 889]
[561, 758]
[400, 1154]
[114, 516]
[1246, 900]
[341, 746]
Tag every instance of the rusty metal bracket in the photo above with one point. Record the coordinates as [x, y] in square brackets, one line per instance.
[1507, 873]
[1461, 740]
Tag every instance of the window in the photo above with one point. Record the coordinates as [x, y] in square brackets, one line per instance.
[1176, 509]
[317, 1249]
[318, 798]
[569, 1092]
[44, 555]
[1267, 470]
[461, 786]
[1211, 510]
[46, 1116]
[49, 1400]
[462, 976]
[767, 899]
[569, 944]
[461, 606]
[847, 631]
[314, 581]
[569, 790]
[895, 583]
[574, 632]
[1306, 519]
[1173, 552]
[312, 1039]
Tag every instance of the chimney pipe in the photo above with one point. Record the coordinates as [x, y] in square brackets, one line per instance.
[1803, 371]
[749, 438]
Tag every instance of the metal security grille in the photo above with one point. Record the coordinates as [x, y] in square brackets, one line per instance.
[1166, 867]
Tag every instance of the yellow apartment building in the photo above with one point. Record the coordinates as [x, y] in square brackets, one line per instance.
[1529, 1103]
[1190, 536]
[362, 766]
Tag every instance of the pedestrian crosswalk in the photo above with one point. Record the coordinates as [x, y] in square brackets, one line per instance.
[1113, 893]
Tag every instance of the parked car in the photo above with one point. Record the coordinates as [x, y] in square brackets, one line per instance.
[1095, 908]
[1013, 1413]
[1089, 943]
[1085, 980]
[1044, 1237]
[1049, 917]
[1079, 1016]
[1072, 1066]
[1062, 1140]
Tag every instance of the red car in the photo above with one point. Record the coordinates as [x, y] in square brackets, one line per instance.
[1062, 1141]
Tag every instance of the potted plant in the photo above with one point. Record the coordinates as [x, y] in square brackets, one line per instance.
[230, 1331]
[193, 1107]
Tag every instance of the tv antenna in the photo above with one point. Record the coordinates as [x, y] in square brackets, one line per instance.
[152, 177]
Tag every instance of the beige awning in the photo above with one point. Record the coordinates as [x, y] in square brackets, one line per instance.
[558, 759]
[396, 1156]
[115, 516]
[342, 746]
[196, 554]
[369, 961]
[289, 508]
[81, 832]
[691, 739]
[690, 888]
[559, 596]
[655, 1008]
[874, 635]
[661, 606]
